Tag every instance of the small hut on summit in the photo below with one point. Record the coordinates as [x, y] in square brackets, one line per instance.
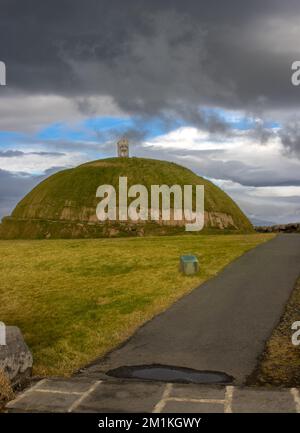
[123, 148]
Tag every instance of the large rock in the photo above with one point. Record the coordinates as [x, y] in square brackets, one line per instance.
[15, 357]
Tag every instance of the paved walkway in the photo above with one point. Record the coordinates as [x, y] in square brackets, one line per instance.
[222, 325]
[87, 395]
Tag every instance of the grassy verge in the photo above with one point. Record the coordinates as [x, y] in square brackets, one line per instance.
[76, 299]
[280, 362]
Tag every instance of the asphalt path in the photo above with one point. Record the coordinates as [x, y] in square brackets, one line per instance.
[223, 324]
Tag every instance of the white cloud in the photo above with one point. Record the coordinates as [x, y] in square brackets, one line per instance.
[277, 191]
[191, 138]
[240, 148]
[271, 204]
[37, 164]
[260, 178]
[186, 138]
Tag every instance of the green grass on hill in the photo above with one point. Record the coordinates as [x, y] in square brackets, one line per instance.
[76, 299]
[76, 188]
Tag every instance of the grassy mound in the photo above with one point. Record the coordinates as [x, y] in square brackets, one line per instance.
[70, 197]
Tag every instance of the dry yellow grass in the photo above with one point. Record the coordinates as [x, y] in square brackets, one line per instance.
[6, 392]
[280, 363]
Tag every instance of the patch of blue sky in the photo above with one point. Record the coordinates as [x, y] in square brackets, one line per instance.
[62, 131]
[152, 126]
[236, 119]
[84, 131]
[10, 139]
[246, 123]
[107, 123]
[89, 129]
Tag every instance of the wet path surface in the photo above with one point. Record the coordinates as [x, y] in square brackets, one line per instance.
[170, 374]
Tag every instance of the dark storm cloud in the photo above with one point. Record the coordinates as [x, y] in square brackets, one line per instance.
[155, 58]
[18, 153]
[13, 187]
[249, 175]
[10, 153]
[290, 138]
[151, 55]
[261, 134]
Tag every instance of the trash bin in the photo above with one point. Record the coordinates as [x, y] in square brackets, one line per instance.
[189, 264]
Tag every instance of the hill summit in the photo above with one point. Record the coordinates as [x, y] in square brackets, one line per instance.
[64, 204]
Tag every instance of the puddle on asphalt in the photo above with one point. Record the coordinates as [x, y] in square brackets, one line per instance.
[167, 373]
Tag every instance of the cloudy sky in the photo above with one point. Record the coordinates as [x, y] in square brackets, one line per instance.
[204, 83]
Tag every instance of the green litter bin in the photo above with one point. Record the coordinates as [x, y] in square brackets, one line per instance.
[189, 264]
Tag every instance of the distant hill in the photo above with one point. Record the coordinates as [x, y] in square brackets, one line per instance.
[259, 222]
[63, 205]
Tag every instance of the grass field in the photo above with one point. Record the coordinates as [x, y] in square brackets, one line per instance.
[76, 299]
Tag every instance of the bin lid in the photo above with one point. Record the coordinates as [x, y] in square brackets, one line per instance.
[189, 258]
